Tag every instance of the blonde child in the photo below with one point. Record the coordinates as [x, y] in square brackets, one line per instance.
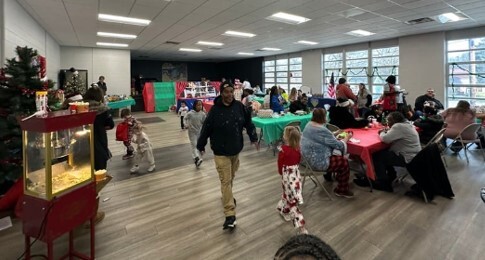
[143, 149]
[183, 110]
[193, 121]
[131, 121]
[288, 160]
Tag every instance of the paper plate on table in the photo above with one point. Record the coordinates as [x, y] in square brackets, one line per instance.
[353, 140]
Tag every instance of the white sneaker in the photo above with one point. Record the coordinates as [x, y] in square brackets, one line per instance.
[198, 163]
[301, 231]
[151, 168]
[134, 169]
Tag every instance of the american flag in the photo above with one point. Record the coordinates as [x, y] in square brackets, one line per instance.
[331, 87]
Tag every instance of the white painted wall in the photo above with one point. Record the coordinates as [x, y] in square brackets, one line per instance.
[422, 65]
[20, 29]
[312, 70]
[113, 64]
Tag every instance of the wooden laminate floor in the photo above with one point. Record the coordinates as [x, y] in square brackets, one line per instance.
[176, 212]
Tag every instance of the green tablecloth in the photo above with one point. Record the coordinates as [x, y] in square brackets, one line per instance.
[259, 99]
[273, 127]
[121, 103]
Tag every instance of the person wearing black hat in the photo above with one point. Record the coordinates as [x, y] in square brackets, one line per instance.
[224, 126]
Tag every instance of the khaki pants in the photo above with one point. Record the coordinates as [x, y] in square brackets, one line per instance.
[226, 167]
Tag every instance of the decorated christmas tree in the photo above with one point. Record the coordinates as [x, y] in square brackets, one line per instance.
[19, 80]
[74, 84]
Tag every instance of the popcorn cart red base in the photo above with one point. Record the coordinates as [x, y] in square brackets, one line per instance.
[59, 184]
[48, 220]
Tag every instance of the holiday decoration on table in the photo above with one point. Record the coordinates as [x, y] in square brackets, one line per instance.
[20, 79]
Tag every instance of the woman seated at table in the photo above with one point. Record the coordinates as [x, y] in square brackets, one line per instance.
[325, 153]
[293, 95]
[300, 104]
[341, 116]
[276, 101]
[429, 124]
[375, 112]
[456, 119]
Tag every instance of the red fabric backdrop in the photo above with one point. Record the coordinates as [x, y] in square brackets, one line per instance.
[149, 97]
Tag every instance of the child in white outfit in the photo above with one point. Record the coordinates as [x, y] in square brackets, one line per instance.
[193, 122]
[183, 110]
[143, 149]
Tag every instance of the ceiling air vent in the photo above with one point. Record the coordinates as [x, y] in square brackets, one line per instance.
[172, 43]
[419, 20]
[215, 48]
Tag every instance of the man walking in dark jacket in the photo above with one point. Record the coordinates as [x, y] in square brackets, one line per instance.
[224, 125]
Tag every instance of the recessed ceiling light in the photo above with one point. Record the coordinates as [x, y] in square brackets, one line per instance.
[307, 42]
[270, 49]
[210, 43]
[246, 53]
[239, 34]
[123, 19]
[450, 17]
[360, 33]
[112, 44]
[288, 18]
[116, 35]
[190, 50]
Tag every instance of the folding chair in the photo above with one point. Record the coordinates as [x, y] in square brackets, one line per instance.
[332, 128]
[312, 174]
[437, 138]
[470, 129]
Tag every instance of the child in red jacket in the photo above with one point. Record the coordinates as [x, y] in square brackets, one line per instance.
[288, 160]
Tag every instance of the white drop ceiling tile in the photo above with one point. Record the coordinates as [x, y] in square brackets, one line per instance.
[470, 5]
[367, 16]
[218, 5]
[419, 4]
[380, 6]
[319, 4]
[360, 3]
[145, 11]
[338, 7]
[121, 7]
[152, 3]
[342, 21]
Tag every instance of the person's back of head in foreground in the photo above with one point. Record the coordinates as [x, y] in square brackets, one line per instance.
[306, 247]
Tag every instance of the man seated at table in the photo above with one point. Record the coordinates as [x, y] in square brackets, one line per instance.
[340, 115]
[299, 104]
[404, 141]
[375, 112]
[429, 96]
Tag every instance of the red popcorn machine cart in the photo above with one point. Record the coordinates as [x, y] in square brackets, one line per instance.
[59, 183]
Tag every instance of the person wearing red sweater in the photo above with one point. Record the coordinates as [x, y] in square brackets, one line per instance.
[344, 91]
[288, 160]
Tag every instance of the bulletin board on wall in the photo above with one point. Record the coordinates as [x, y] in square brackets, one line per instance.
[174, 72]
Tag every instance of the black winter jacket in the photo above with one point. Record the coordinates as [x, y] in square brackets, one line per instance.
[224, 125]
[341, 117]
[103, 122]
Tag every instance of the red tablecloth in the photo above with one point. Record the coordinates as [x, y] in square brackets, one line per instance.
[369, 144]
[207, 105]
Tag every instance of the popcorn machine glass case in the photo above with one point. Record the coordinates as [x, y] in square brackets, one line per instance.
[58, 153]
